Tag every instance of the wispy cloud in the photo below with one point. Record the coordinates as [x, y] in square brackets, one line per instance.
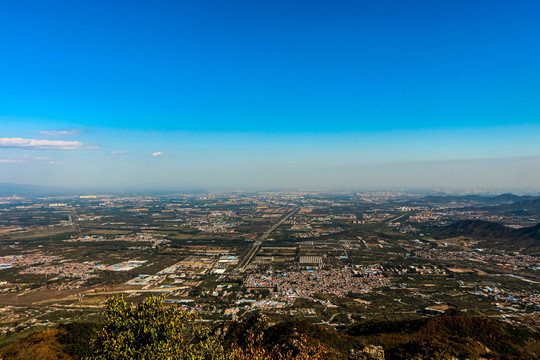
[40, 144]
[30, 159]
[118, 152]
[69, 132]
[157, 153]
[11, 161]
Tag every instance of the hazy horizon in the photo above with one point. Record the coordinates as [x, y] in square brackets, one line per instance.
[310, 95]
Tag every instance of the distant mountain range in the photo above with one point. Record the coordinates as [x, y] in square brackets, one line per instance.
[495, 234]
[524, 205]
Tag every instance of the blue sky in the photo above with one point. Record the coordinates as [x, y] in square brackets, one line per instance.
[266, 94]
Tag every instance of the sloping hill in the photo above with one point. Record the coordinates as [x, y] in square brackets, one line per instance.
[532, 232]
[478, 228]
[495, 234]
[510, 198]
[70, 341]
[528, 207]
[443, 337]
[459, 336]
[446, 337]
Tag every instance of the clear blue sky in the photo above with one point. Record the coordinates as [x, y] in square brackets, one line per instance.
[261, 94]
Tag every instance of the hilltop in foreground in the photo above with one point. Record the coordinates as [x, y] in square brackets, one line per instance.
[152, 330]
[448, 337]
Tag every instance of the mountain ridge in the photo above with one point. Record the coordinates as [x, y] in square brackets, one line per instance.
[495, 234]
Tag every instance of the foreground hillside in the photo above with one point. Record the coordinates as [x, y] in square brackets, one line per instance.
[447, 337]
[69, 341]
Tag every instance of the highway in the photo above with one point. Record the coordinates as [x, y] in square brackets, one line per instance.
[258, 242]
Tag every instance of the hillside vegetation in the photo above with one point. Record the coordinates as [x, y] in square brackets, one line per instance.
[495, 235]
[151, 331]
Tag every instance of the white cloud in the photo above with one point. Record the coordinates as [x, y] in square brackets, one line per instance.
[11, 161]
[69, 132]
[28, 159]
[118, 152]
[40, 144]
[157, 153]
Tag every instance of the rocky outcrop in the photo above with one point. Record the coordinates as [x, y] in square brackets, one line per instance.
[370, 352]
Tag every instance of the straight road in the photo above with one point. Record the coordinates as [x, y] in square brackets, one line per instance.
[258, 242]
